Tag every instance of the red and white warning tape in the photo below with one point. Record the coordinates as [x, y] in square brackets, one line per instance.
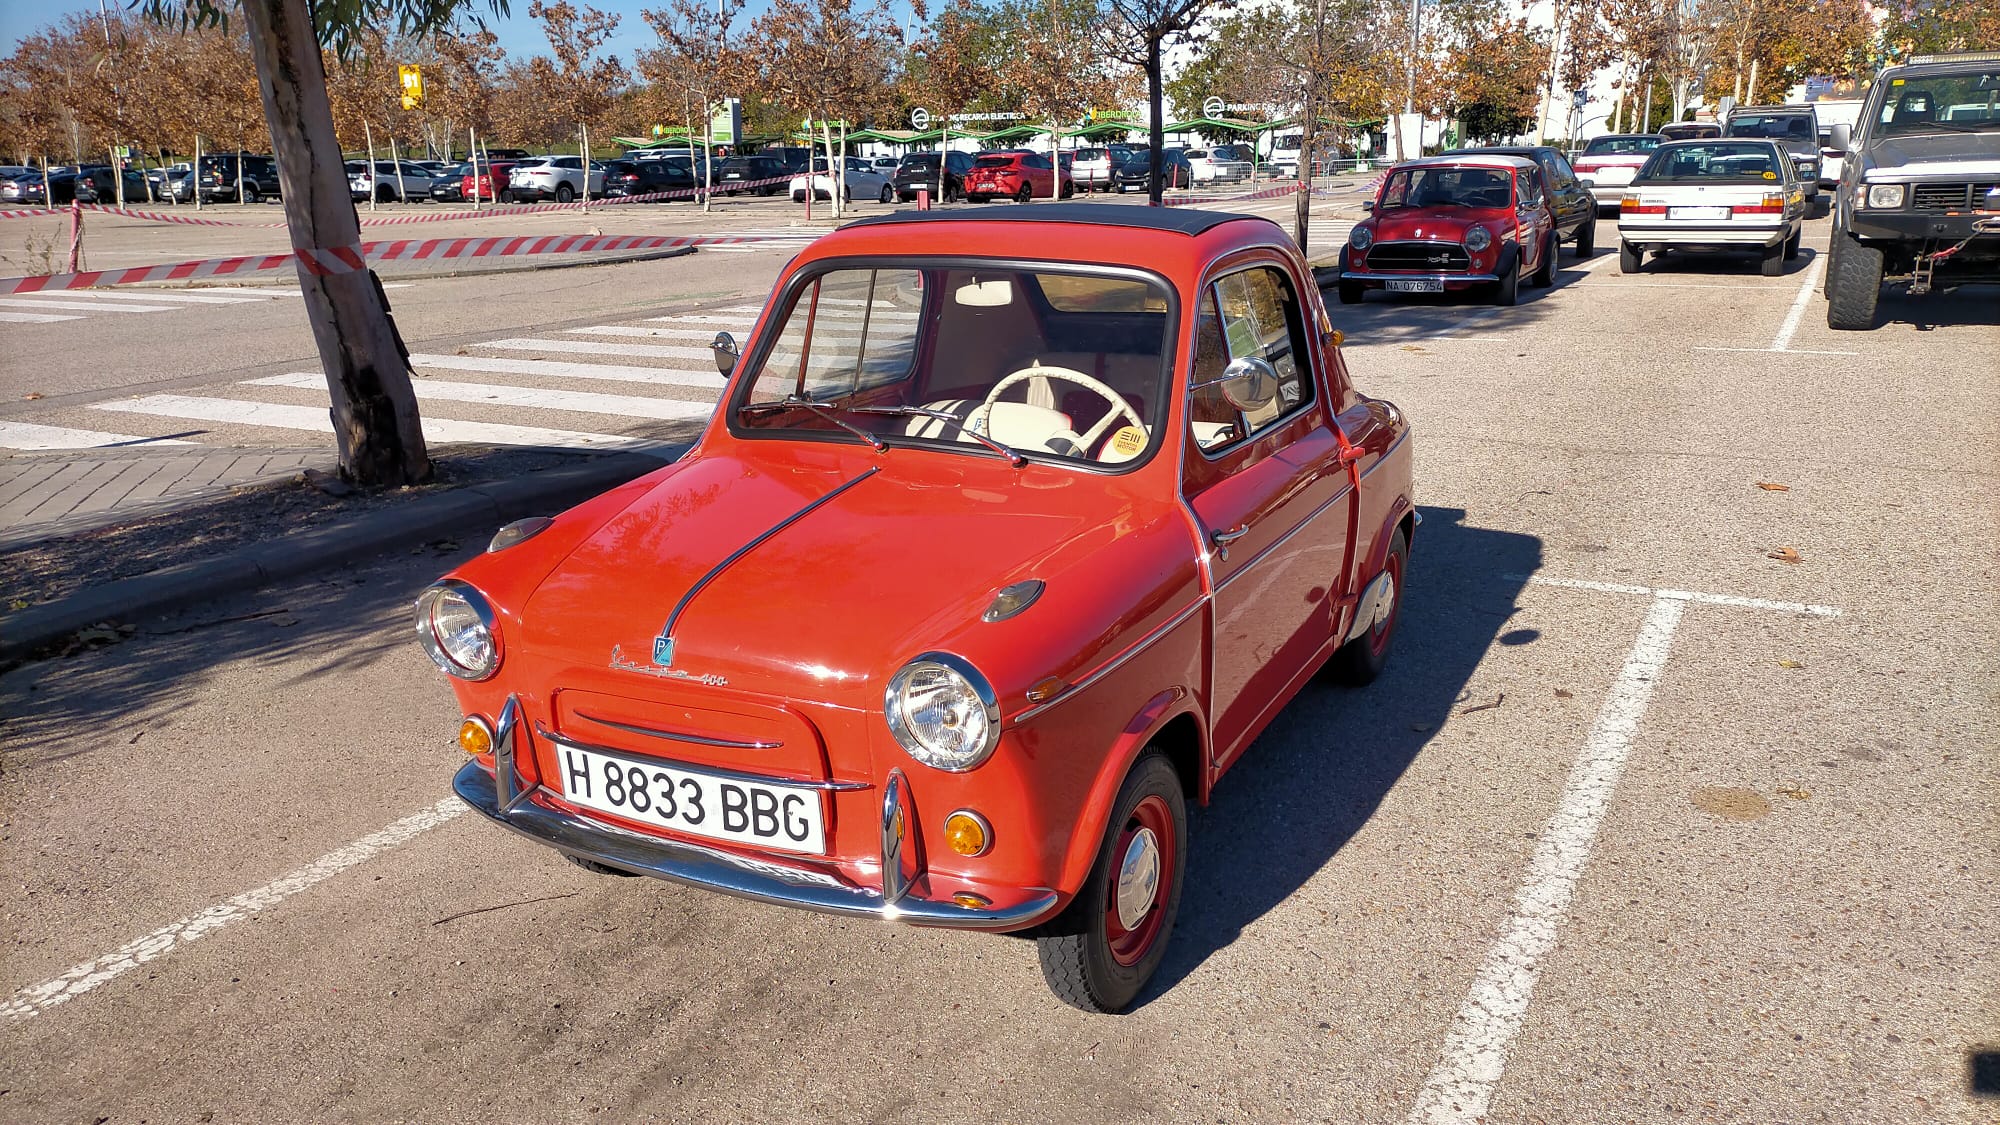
[350, 259]
[1268, 193]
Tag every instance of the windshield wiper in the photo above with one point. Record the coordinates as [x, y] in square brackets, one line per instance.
[1014, 456]
[794, 401]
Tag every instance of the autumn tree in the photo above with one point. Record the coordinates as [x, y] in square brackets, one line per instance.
[828, 59]
[1914, 27]
[696, 63]
[1142, 29]
[951, 63]
[1496, 67]
[1055, 58]
[578, 79]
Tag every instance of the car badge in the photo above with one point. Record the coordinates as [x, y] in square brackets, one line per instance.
[663, 651]
[620, 663]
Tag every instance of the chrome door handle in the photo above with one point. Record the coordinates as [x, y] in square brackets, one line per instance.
[1221, 540]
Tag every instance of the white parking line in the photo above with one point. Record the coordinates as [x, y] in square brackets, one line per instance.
[1783, 340]
[560, 369]
[1461, 1086]
[314, 419]
[83, 978]
[30, 435]
[33, 318]
[185, 298]
[533, 398]
[1678, 595]
[592, 347]
[79, 306]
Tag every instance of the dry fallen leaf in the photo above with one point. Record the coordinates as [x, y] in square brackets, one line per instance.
[1564, 693]
[1785, 555]
[1790, 664]
[1795, 791]
[31, 396]
[1414, 348]
[1773, 486]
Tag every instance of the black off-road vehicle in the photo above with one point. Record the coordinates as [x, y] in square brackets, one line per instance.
[1919, 197]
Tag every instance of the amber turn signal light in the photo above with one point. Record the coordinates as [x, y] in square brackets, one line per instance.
[474, 736]
[968, 833]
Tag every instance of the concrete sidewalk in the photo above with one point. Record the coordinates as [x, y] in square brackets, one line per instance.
[45, 497]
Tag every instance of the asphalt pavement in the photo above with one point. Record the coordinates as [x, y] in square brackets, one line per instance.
[1642, 824]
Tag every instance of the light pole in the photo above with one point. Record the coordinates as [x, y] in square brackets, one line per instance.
[1409, 91]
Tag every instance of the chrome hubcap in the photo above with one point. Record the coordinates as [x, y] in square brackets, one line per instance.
[1138, 878]
[1385, 608]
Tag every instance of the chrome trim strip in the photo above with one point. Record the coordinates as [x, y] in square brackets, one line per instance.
[713, 869]
[1371, 275]
[1114, 663]
[706, 771]
[899, 840]
[1346, 490]
[667, 630]
[677, 736]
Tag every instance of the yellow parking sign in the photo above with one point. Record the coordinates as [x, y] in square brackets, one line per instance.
[413, 86]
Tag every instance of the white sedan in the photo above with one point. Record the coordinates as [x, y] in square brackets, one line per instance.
[861, 178]
[1219, 166]
[1713, 196]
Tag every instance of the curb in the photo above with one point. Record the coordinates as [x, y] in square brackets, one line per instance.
[358, 537]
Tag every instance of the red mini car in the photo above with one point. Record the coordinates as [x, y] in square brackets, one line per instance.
[491, 182]
[1449, 223]
[1009, 535]
[1020, 176]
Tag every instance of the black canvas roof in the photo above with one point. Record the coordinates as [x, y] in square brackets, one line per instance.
[1181, 220]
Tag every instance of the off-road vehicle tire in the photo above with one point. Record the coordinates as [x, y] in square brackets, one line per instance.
[1854, 285]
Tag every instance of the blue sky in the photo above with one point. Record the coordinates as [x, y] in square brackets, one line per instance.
[518, 34]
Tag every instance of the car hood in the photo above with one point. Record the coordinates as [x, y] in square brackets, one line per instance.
[1938, 153]
[1443, 224]
[872, 568]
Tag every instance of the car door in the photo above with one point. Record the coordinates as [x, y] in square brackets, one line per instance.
[1272, 499]
[1571, 203]
[1534, 216]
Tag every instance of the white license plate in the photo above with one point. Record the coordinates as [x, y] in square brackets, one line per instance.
[1414, 285]
[1697, 212]
[781, 817]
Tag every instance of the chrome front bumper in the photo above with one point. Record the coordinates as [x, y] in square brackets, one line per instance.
[1372, 275]
[531, 813]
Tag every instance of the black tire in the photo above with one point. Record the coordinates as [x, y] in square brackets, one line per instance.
[954, 193]
[800, 197]
[1026, 194]
[250, 193]
[565, 193]
[1773, 264]
[1546, 275]
[507, 196]
[1069, 189]
[1586, 236]
[846, 194]
[1508, 291]
[596, 868]
[385, 194]
[887, 195]
[1079, 951]
[1792, 244]
[1362, 659]
[1856, 286]
[1631, 259]
[1350, 292]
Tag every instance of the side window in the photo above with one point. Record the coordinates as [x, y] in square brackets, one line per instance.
[1254, 312]
[829, 348]
[1560, 175]
[1529, 184]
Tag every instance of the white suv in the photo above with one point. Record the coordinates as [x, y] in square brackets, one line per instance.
[560, 178]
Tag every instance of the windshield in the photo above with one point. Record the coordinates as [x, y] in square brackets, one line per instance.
[1950, 102]
[1447, 187]
[1620, 146]
[938, 355]
[1743, 162]
[1777, 126]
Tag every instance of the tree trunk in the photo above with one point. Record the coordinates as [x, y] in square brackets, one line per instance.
[1157, 133]
[374, 413]
[1302, 213]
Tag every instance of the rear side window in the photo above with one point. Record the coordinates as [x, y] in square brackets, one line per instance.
[1251, 313]
[1740, 162]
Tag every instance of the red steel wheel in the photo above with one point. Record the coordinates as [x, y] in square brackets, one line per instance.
[1362, 659]
[1135, 899]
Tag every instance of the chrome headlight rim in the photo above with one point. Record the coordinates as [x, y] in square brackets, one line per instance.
[1361, 238]
[1478, 239]
[918, 750]
[427, 635]
[1891, 196]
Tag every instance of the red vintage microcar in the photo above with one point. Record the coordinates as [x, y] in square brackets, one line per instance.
[1010, 533]
[1020, 176]
[1449, 223]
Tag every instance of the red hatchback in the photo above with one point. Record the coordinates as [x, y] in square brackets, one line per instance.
[491, 181]
[1020, 176]
[1450, 223]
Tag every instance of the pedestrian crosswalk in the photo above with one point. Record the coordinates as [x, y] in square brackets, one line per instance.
[788, 239]
[79, 304]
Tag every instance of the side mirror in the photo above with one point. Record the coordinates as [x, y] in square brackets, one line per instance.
[1249, 384]
[1368, 205]
[1843, 138]
[724, 347]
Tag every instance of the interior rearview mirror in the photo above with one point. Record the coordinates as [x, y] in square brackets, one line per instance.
[1843, 137]
[1249, 384]
[724, 347]
[985, 294]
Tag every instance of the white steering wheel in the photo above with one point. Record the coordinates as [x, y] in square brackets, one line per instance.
[982, 414]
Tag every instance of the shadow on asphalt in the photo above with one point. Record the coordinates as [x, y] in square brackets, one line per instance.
[1309, 784]
[1721, 263]
[1970, 305]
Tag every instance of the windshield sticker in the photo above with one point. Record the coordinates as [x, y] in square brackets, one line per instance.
[1770, 175]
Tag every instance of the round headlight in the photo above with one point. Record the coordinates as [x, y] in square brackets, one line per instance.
[943, 712]
[457, 628]
[1477, 239]
[1360, 237]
